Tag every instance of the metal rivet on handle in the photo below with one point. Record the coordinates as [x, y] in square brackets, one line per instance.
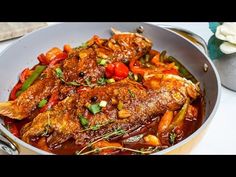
[140, 29]
[205, 67]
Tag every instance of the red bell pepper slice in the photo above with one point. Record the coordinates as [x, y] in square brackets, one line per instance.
[14, 91]
[58, 58]
[54, 99]
[24, 75]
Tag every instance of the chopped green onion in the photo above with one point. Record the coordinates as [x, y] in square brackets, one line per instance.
[84, 121]
[103, 103]
[102, 62]
[42, 103]
[110, 80]
[94, 108]
[59, 73]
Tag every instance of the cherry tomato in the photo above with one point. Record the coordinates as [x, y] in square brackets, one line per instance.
[110, 70]
[117, 70]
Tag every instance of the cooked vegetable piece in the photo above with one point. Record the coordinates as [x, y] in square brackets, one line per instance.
[42, 103]
[165, 121]
[83, 120]
[103, 104]
[25, 74]
[15, 90]
[152, 140]
[52, 101]
[183, 71]
[179, 118]
[29, 81]
[117, 70]
[94, 108]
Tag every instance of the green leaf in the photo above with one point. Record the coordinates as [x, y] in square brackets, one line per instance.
[84, 121]
[214, 25]
[214, 48]
[42, 103]
[94, 108]
[59, 72]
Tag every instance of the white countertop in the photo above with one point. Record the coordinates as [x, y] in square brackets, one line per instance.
[220, 135]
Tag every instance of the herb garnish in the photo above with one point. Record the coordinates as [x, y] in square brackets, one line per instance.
[172, 138]
[116, 132]
[88, 81]
[102, 61]
[42, 103]
[94, 108]
[101, 81]
[84, 121]
[131, 93]
[59, 74]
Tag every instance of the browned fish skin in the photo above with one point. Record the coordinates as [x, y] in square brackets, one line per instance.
[142, 105]
[117, 48]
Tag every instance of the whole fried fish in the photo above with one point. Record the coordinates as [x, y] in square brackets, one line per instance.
[121, 46]
[139, 105]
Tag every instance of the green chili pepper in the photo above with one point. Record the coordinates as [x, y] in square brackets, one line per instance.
[162, 56]
[179, 118]
[36, 73]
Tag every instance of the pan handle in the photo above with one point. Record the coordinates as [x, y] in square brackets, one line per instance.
[196, 39]
[7, 146]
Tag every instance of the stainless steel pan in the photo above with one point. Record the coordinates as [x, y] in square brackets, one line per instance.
[187, 47]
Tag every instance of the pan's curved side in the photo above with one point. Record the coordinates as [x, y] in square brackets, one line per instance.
[76, 33]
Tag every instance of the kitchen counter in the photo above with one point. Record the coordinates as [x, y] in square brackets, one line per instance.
[219, 137]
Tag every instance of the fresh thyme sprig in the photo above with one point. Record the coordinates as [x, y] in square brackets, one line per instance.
[117, 132]
[97, 126]
[96, 150]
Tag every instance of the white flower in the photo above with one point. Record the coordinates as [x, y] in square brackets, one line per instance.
[227, 33]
